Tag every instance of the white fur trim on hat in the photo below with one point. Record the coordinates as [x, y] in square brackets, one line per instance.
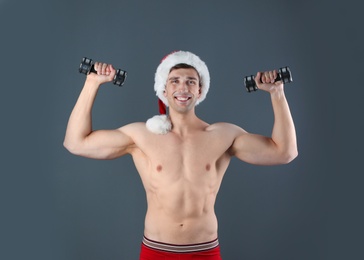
[173, 59]
[159, 124]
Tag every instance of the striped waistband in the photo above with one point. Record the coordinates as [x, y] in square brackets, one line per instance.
[190, 248]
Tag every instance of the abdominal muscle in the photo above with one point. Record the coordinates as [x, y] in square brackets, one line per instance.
[181, 212]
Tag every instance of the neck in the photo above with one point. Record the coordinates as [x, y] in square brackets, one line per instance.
[183, 123]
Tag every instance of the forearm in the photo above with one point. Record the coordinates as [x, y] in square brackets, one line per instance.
[284, 133]
[80, 121]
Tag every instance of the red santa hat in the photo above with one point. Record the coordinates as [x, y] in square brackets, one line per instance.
[160, 124]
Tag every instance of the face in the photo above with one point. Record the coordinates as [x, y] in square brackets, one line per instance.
[182, 89]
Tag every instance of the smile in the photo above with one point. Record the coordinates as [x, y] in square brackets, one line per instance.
[182, 99]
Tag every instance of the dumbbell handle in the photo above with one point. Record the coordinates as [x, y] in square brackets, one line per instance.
[92, 69]
[283, 74]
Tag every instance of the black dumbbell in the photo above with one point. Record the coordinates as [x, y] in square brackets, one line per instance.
[284, 74]
[87, 67]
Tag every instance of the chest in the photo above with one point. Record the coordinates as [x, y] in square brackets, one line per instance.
[186, 151]
[195, 154]
[169, 162]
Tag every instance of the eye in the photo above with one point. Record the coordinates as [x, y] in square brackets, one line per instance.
[174, 81]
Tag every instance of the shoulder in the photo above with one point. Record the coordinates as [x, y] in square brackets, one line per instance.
[226, 132]
[139, 133]
[225, 128]
[134, 130]
[132, 126]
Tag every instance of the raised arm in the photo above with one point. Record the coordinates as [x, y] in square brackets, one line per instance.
[80, 139]
[281, 147]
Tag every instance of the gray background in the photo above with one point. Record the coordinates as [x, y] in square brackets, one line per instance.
[58, 206]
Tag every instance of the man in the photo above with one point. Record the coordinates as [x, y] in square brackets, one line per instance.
[180, 158]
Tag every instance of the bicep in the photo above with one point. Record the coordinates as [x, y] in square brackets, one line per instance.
[106, 144]
[255, 149]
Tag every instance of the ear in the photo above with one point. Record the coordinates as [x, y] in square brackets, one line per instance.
[165, 93]
[199, 92]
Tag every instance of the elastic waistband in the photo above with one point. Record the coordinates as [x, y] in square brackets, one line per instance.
[190, 248]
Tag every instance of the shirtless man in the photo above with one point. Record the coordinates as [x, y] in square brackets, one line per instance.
[180, 158]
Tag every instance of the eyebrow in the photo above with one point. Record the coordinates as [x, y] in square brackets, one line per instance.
[172, 78]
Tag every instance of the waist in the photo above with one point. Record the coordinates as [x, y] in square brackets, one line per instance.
[176, 230]
[175, 248]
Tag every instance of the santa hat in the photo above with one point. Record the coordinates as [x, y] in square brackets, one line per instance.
[160, 124]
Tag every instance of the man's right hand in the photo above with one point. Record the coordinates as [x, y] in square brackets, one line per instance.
[105, 73]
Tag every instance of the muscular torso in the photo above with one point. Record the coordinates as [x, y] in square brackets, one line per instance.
[181, 177]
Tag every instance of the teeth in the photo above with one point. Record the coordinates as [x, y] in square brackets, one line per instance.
[182, 98]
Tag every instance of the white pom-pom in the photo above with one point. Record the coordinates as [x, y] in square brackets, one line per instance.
[159, 124]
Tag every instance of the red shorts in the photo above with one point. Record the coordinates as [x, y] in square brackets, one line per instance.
[153, 250]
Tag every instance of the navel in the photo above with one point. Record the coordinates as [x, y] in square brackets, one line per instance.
[208, 167]
[159, 168]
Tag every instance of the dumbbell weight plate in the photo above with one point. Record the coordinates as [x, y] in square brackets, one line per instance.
[120, 77]
[86, 66]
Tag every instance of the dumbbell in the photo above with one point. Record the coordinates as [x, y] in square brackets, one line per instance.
[87, 67]
[284, 74]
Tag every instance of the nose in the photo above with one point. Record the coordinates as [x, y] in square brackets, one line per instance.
[183, 87]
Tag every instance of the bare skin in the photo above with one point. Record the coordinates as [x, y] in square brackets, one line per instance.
[182, 170]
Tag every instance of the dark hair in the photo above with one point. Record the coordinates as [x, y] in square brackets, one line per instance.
[185, 66]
